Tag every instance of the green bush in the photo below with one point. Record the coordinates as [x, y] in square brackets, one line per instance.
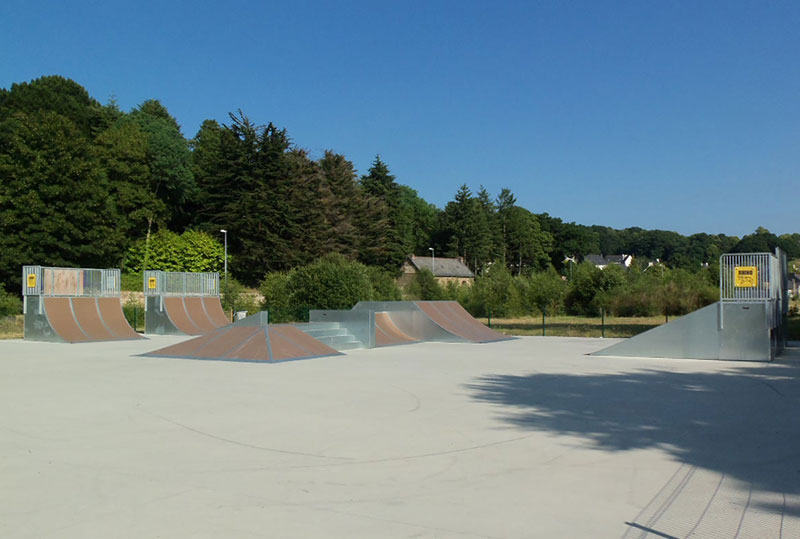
[455, 291]
[193, 251]
[582, 289]
[425, 287]
[131, 282]
[133, 309]
[275, 289]
[493, 292]
[384, 287]
[542, 292]
[332, 282]
[278, 300]
[234, 297]
[10, 304]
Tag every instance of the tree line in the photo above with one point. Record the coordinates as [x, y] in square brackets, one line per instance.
[87, 184]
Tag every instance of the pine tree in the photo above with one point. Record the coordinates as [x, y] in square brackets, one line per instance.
[384, 244]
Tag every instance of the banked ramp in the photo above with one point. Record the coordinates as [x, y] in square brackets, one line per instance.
[73, 305]
[250, 340]
[747, 324]
[181, 303]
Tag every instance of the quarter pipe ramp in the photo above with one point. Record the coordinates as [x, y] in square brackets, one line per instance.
[178, 303]
[73, 305]
[431, 321]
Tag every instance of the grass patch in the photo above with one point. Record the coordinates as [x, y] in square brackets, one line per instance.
[576, 326]
[11, 327]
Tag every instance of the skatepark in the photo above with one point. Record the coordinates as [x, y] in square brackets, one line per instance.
[433, 426]
[529, 437]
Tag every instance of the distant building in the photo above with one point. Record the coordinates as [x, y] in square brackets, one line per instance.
[603, 261]
[446, 270]
[794, 284]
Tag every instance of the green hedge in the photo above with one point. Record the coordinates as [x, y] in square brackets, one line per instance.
[10, 304]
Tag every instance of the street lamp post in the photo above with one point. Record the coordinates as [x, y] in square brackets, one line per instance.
[226, 253]
[433, 261]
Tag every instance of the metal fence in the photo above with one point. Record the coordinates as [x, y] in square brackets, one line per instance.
[749, 277]
[178, 283]
[755, 278]
[48, 281]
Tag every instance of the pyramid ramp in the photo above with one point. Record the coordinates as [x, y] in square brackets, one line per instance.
[249, 340]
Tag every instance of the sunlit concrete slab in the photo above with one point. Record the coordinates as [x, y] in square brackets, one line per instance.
[524, 438]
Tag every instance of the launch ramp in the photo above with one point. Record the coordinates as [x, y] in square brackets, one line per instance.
[747, 324]
[181, 303]
[73, 305]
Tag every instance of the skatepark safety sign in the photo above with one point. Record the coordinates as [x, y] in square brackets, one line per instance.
[31, 280]
[745, 277]
[151, 283]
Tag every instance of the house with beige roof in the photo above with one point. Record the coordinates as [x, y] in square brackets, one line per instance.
[445, 270]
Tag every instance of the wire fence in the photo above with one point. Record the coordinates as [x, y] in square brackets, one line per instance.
[179, 283]
[50, 281]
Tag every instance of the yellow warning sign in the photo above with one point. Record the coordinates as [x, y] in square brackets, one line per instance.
[745, 277]
[151, 283]
[31, 280]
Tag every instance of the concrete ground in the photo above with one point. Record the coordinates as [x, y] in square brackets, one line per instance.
[524, 438]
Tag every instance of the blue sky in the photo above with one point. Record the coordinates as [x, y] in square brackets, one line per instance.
[675, 115]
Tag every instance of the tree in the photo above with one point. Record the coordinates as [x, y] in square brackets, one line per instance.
[341, 199]
[468, 227]
[425, 287]
[764, 241]
[58, 95]
[527, 245]
[168, 158]
[56, 206]
[386, 248]
[505, 201]
[193, 251]
[417, 221]
[122, 152]
[569, 239]
[332, 282]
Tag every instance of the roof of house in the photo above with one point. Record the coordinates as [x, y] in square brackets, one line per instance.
[603, 260]
[597, 260]
[444, 267]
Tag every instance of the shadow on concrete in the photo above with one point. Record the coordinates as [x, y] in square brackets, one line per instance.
[743, 422]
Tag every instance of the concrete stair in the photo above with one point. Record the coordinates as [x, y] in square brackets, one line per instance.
[332, 334]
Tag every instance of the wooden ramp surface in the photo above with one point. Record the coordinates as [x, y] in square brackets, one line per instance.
[88, 319]
[452, 317]
[214, 311]
[111, 312]
[195, 315]
[59, 315]
[249, 343]
[176, 311]
[387, 333]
